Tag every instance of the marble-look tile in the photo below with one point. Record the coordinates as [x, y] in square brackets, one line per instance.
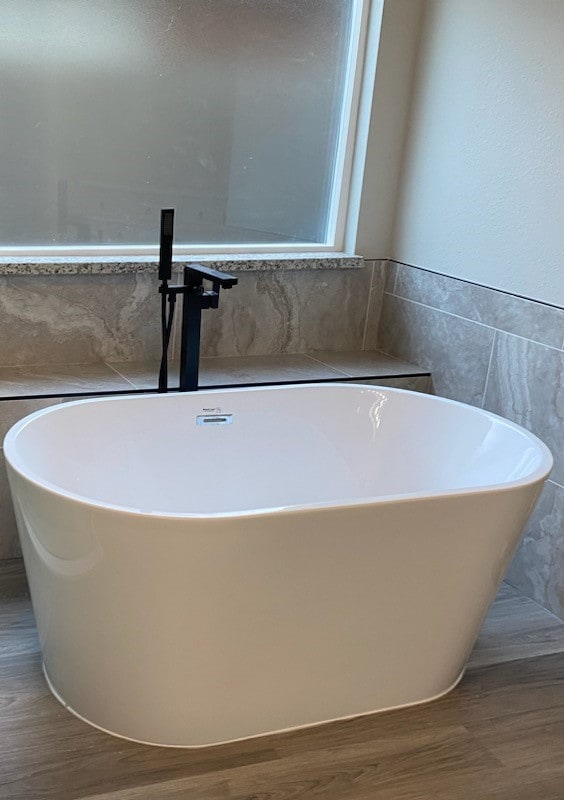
[537, 568]
[55, 379]
[234, 370]
[289, 312]
[526, 385]
[78, 318]
[506, 312]
[374, 306]
[145, 374]
[415, 383]
[365, 363]
[263, 369]
[455, 351]
[391, 275]
[11, 411]
[314, 366]
[9, 541]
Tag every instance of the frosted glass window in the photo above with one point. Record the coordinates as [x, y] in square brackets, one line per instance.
[228, 110]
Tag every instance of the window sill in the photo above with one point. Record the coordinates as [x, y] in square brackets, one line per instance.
[103, 265]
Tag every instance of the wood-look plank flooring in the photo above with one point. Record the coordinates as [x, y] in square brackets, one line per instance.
[498, 736]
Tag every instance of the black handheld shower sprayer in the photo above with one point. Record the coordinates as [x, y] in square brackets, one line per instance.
[195, 298]
[167, 236]
[165, 275]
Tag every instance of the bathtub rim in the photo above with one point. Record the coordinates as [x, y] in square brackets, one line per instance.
[538, 475]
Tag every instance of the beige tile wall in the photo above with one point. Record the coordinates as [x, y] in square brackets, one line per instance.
[76, 319]
[503, 353]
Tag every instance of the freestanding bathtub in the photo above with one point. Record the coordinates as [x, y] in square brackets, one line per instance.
[214, 566]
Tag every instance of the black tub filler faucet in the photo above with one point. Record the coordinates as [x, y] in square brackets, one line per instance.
[195, 298]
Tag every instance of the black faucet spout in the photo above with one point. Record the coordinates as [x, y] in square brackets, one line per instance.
[222, 279]
[195, 298]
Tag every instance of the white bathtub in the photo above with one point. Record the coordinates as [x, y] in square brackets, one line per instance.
[327, 551]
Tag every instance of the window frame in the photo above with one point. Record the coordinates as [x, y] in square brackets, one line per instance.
[347, 174]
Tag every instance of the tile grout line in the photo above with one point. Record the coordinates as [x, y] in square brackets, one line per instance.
[121, 376]
[489, 369]
[381, 304]
[396, 278]
[475, 322]
[368, 307]
[479, 285]
[328, 366]
[549, 480]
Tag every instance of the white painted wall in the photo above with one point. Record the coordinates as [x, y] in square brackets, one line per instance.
[388, 124]
[482, 189]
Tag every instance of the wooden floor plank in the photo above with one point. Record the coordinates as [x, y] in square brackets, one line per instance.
[365, 767]
[533, 739]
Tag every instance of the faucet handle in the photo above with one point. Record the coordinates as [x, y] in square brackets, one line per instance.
[210, 299]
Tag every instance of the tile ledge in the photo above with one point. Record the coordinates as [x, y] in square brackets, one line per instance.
[255, 364]
[108, 265]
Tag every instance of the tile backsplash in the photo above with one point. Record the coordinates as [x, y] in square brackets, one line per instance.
[291, 312]
[502, 353]
[75, 319]
[66, 319]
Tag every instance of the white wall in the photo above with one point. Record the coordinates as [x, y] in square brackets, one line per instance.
[482, 190]
[390, 109]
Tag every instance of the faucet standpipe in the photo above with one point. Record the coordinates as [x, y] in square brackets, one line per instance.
[195, 299]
